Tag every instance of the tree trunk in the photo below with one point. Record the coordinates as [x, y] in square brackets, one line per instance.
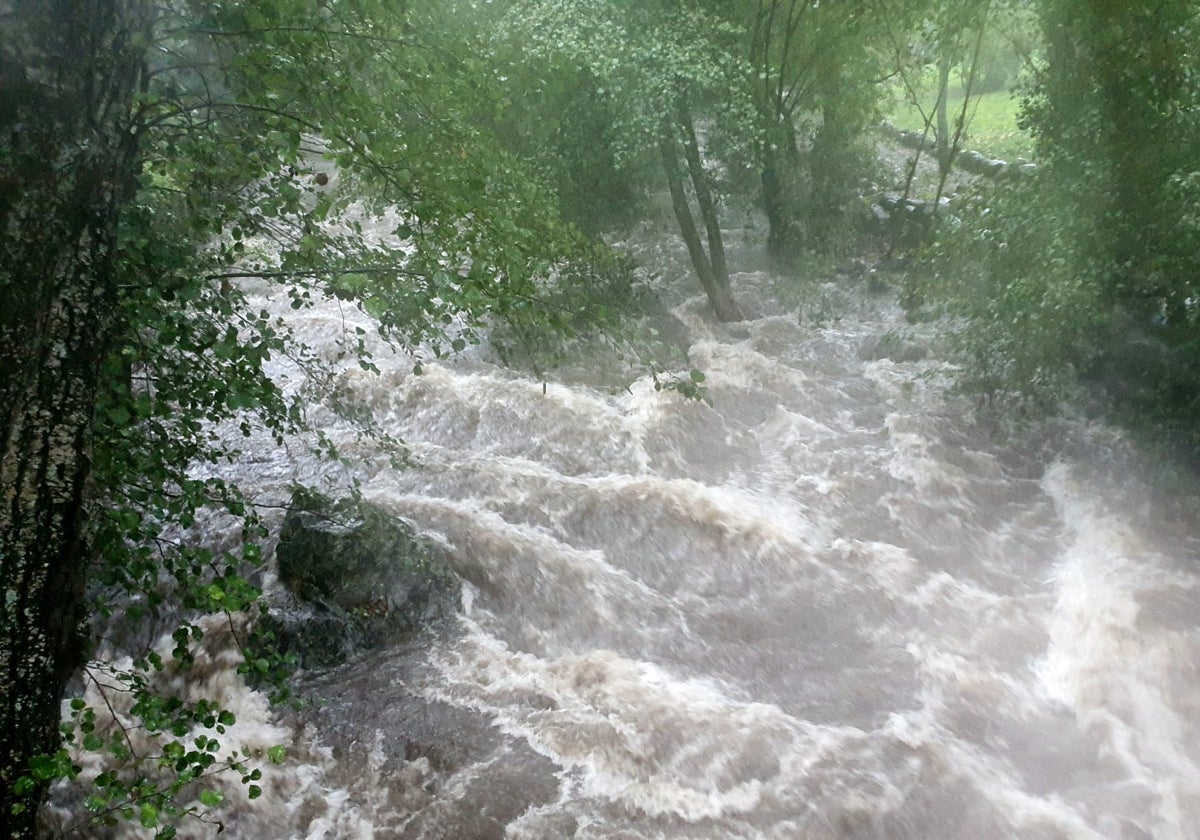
[948, 149]
[775, 36]
[773, 206]
[69, 144]
[780, 161]
[708, 207]
[719, 296]
[944, 149]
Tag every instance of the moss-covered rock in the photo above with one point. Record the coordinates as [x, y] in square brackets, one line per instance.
[362, 576]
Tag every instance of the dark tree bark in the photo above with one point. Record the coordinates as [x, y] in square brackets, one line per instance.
[778, 179]
[683, 216]
[704, 199]
[773, 43]
[69, 143]
[715, 287]
[774, 207]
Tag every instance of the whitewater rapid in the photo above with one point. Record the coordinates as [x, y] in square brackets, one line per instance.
[828, 602]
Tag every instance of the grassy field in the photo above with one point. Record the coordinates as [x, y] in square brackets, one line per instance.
[992, 128]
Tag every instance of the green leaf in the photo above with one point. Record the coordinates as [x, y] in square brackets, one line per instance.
[92, 742]
[211, 798]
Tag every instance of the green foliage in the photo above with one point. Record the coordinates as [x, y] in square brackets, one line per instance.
[949, 54]
[1116, 115]
[690, 387]
[654, 67]
[642, 57]
[551, 114]
[839, 156]
[275, 140]
[400, 121]
[1090, 267]
[593, 302]
[813, 81]
[1030, 321]
[157, 768]
[158, 747]
[1114, 112]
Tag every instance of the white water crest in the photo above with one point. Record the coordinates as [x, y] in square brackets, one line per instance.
[829, 603]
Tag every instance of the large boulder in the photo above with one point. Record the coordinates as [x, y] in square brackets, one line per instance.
[362, 579]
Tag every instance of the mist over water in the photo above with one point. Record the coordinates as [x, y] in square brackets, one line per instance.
[828, 605]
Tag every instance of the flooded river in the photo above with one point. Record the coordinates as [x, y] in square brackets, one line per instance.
[828, 603]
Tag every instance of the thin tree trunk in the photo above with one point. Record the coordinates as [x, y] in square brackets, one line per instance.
[960, 124]
[722, 303]
[774, 36]
[944, 150]
[704, 198]
[780, 159]
[75, 157]
[683, 214]
[773, 206]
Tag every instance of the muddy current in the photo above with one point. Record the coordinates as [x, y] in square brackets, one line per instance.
[829, 602]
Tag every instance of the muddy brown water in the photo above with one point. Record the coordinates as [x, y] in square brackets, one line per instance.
[829, 604]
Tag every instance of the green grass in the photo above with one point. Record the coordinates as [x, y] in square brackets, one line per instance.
[992, 127]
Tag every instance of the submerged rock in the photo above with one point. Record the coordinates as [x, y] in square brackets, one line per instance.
[361, 578]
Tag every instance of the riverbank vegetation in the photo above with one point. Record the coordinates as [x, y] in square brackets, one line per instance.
[1086, 270]
[156, 157]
